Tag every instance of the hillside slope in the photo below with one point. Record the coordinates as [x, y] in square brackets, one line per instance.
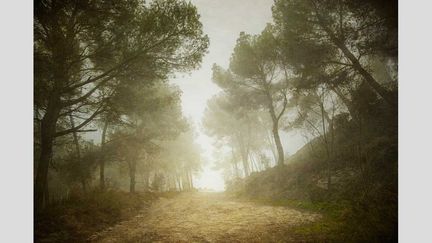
[356, 187]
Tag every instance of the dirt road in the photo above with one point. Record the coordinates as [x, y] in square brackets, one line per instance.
[207, 217]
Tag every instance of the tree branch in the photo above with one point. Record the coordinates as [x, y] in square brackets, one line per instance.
[284, 106]
[77, 128]
[88, 94]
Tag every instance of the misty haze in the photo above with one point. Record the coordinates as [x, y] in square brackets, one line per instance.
[215, 121]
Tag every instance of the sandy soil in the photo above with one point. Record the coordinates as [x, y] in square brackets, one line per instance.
[207, 217]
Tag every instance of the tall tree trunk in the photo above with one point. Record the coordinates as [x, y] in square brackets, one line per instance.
[45, 157]
[78, 151]
[254, 164]
[169, 178]
[50, 118]
[324, 117]
[147, 179]
[132, 172]
[183, 183]
[278, 143]
[75, 138]
[248, 138]
[245, 163]
[191, 180]
[48, 129]
[188, 179]
[234, 162]
[179, 182]
[173, 186]
[243, 154]
[275, 129]
[271, 144]
[102, 158]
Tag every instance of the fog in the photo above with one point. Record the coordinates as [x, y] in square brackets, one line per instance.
[205, 120]
[222, 21]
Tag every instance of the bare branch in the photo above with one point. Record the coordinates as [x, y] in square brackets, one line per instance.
[77, 128]
[88, 94]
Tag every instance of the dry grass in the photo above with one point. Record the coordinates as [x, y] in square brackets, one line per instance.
[84, 214]
[208, 217]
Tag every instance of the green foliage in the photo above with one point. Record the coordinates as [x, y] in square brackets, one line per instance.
[91, 55]
[336, 43]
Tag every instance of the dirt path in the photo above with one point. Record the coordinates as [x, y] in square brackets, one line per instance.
[207, 217]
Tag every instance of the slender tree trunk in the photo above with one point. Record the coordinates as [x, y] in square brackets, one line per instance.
[249, 158]
[188, 179]
[78, 151]
[147, 179]
[278, 143]
[243, 154]
[102, 158]
[132, 172]
[245, 161]
[234, 162]
[184, 183]
[272, 145]
[191, 180]
[254, 164]
[102, 174]
[258, 161]
[275, 130]
[169, 181]
[174, 183]
[179, 182]
[324, 117]
[75, 138]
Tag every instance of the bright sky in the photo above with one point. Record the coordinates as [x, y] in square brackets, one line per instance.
[223, 20]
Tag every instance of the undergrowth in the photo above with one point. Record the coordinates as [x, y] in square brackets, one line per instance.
[83, 214]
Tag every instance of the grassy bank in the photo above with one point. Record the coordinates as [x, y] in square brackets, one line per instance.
[360, 206]
[329, 228]
[342, 220]
[84, 214]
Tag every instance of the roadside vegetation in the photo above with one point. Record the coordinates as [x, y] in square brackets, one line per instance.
[325, 71]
